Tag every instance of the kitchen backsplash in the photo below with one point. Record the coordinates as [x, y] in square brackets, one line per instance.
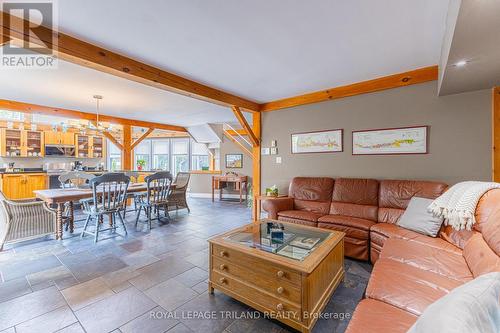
[27, 162]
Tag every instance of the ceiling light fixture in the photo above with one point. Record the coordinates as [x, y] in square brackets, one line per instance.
[461, 63]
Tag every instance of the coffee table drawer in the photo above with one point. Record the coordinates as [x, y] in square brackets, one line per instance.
[278, 287]
[273, 304]
[258, 265]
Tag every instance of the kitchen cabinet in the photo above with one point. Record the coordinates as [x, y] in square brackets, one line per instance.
[21, 143]
[90, 146]
[59, 138]
[21, 186]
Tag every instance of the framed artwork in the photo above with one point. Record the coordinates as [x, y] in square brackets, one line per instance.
[234, 161]
[329, 141]
[391, 141]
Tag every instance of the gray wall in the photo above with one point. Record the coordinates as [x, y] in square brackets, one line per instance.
[459, 146]
[202, 183]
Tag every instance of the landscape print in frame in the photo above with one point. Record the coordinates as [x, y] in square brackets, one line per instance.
[391, 141]
[327, 141]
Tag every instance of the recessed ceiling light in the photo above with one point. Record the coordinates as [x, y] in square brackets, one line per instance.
[461, 63]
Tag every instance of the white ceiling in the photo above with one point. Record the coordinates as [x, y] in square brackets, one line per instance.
[259, 49]
[473, 38]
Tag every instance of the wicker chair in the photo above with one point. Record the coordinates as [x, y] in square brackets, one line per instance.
[177, 197]
[22, 220]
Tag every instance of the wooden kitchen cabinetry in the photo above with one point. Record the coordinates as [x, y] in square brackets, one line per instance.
[21, 143]
[22, 185]
[59, 138]
[90, 146]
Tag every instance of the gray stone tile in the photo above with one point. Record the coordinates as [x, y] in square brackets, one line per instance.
[14, 288]
[118, 280]
[32, 264]
[150, 323]
[180, 328]
[160, 271]
[29, 306]
[192, 277]
[115, 311]
[9, 330]
[139, 259]
[75, 328]
[201, 287]
[255, 325]
[49, 322]
[207, 303]
[50, 277]
[86, 293]
[170, 294]
[199, 259]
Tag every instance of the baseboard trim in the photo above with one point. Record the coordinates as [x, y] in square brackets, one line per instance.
[209, 195]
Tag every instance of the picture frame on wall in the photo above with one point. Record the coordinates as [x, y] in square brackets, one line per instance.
[326, 141]
[391, 141]
[234, 161]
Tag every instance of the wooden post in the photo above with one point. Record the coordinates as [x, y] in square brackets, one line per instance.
[495, 123]
[256, 129]
[127, 148]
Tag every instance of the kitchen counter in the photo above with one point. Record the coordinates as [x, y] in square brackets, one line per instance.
[23, 171]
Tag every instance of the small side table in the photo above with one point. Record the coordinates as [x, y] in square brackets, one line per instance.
[257, 203]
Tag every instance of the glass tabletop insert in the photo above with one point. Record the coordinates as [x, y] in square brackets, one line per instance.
[287, 240]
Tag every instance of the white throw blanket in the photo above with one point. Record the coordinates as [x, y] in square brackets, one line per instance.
[458, 204]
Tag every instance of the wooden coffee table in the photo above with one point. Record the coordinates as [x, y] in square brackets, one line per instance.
[284, 281]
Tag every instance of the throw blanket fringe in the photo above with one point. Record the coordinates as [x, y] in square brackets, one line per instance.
[458, 204]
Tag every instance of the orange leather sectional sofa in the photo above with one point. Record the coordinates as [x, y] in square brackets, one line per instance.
[411, 270]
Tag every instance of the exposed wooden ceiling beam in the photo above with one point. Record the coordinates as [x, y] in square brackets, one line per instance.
[142, 137]
[239, 144]
[237, 132]
[111, 138]
[243, 122]
[47, 110]
[387, 82]
[82, 53]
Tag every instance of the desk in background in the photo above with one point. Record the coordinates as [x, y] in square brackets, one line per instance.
[221, 182]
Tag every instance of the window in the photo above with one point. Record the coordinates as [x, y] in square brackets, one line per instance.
[199, 156]
[161, 155]
[142, 156]
[11, 115]
[114, 157]
[180, 156]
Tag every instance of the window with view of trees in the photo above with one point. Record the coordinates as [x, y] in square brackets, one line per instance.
[199, 156]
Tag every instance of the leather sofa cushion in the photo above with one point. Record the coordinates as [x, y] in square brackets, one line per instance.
[456, 237]
[347, 221]
[349, 231]
[407, 287]
[379, 317]
[311, 188]
[480, 257]
[312, 206]
[356, 191]
[397, 193]
[354, 210]
[487, 205]
[300, 215]
[389, 215]
[379, 232]
[428, 258]
[491, 231]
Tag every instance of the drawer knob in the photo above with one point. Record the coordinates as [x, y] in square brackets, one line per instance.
[280, 290]
[222, 280]
[222, 267]
[280, 273]
[279, 307]
[223, 253]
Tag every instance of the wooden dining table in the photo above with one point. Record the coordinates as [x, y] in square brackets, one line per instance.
[60, 196]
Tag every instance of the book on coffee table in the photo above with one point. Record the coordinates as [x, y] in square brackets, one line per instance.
[305, 242]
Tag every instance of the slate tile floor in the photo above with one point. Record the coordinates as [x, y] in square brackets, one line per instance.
[75, 285]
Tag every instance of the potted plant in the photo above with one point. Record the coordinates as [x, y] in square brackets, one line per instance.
[141, 164]
[272, 191]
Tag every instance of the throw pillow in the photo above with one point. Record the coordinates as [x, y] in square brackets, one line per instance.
[417, 218]
[471, 308]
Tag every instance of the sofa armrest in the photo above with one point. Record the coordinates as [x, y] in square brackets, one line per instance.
[275, 205]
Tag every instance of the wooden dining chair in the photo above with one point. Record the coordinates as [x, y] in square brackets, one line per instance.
[73, 179]
[109, 193]
[156, 197]
[177, 196]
